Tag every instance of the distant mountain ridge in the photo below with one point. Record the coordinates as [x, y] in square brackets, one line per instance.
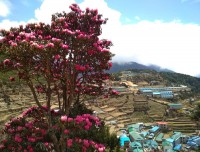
[134, 65]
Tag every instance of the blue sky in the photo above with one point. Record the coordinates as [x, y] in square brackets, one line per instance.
[162, 32]
[185, 10]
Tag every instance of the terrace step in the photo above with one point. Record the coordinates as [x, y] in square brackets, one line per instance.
[184, 130]
[109, 109]
[125, 121]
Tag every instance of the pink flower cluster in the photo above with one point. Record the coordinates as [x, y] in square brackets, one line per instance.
[84, 121]
[80, 68]
[114, 92]
[86, 144]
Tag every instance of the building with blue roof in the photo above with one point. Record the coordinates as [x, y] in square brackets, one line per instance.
[138, 150]
[174, 140]
[167, 144]
[134, 127]
[123, 138]
[135, 147]
[194, 142]
[177, 138]
[158, 92]
[135, 136]
[166, 94]
[178, 147]
[154, 130]
[150, 144]
[159, 138]
[144, 133]
[175, 106]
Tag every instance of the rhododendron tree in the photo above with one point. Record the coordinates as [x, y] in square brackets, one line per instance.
[64, 59]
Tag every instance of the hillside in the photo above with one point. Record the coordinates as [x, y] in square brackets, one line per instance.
[166, 78]
[117, 67]
[178, 79]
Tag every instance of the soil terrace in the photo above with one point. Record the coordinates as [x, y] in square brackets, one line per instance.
[116, 112]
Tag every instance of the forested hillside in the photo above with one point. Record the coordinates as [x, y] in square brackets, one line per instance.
[178, 79]
[166, 78]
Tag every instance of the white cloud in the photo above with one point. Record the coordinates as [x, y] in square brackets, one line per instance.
[4, 8]
[50, 7]
[7, 24]
[112, 15]
[172, 45]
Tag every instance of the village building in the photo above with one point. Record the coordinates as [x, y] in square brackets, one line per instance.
[194, 142]
[154, 129]
[162, 125]
[176, 138]
[135, 147]
[135, 127]
[124, 140]
[167, 145]
[135, 136]
[175, 106]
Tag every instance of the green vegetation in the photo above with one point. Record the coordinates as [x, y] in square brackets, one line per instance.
[165, 78]
[196, 113]
[182, 79]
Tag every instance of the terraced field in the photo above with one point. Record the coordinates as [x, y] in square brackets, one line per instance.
[116, 112]
[12, 103]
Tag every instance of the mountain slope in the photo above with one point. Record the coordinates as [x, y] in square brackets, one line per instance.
[134, 65]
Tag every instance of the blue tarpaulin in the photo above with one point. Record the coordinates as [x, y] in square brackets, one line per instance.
[178, 147]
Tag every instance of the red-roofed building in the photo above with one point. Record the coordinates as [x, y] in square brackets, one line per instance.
[162, 125]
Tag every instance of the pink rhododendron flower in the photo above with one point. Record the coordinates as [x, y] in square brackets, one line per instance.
[51, 45]
[13, 44]
[69, 142]
[17, 65]
[64, 46]
[91, 52]
[57, 56]
[11, 78]
[40, 46]
[6, 61]
[30, 148]
[101, 149]
[31, 139]
[70, 119]
[87, 127]
[80, 68]
[2, 146]
[20, 128]
[114, 92]
[110, 64]
[86, 143]
[18, 138]
[63, 118]
[78, 119]
[66, 131]
[56, 40]
[43, 132]
[46, 144]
